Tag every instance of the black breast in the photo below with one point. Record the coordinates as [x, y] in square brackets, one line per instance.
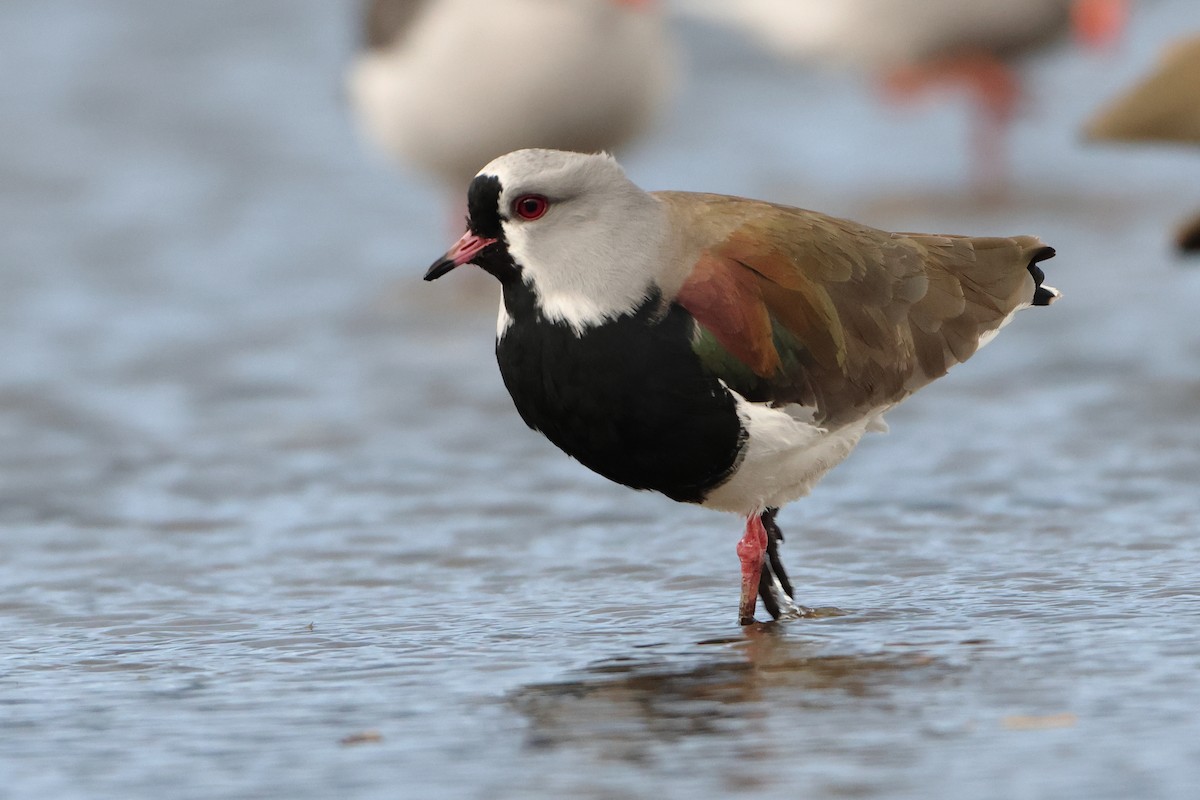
[628, 399]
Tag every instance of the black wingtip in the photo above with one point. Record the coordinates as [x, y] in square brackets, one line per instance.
[1042, 295]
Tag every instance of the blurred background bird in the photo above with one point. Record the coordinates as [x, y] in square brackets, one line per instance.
[445, 86]
[1163, 107]
[915, 47]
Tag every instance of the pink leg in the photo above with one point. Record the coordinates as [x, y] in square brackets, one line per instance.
[997, 94]
[751, 549]
[989, 155]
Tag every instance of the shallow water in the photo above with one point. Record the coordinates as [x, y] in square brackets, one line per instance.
[269, 526]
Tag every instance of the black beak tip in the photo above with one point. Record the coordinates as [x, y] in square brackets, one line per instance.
[439, 268]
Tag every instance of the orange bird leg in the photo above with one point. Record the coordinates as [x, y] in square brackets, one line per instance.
[996, 91]
[751, 550]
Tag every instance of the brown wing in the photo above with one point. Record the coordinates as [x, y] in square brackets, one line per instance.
[795, 306]
[1164, 107]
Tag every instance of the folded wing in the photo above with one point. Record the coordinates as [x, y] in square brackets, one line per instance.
[792, 306]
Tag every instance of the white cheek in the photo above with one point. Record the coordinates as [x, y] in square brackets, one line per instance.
[567, 289]
[588, 273]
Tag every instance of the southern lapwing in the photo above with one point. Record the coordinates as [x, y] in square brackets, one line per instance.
[722, 351]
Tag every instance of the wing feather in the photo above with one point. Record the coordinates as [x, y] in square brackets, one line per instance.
[793, 306]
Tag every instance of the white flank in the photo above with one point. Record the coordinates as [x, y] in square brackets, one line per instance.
[785, 457]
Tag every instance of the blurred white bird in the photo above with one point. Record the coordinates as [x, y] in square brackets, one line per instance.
[1163, 107]
[918, 45]
[445, 86]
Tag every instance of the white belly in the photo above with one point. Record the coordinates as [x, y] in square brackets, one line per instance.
[785, 456]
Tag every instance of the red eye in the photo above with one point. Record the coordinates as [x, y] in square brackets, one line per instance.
[530, 206]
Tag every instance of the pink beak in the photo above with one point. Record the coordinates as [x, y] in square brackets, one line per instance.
[463, 251]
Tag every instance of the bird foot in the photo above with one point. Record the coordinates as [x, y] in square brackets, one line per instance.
[774, 588]
[763, 574]
[790, 609]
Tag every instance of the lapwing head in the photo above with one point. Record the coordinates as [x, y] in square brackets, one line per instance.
[571, 227]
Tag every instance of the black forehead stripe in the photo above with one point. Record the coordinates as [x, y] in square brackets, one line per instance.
[483, 207]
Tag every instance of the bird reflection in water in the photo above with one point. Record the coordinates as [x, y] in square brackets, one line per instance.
[620, 707]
